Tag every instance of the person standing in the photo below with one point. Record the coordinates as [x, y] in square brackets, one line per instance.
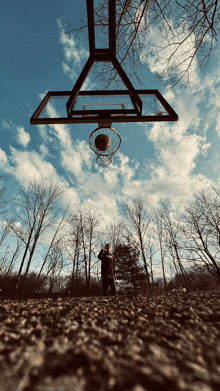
[107, 269]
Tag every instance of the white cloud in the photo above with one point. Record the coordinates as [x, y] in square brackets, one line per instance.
[87, 85]
[72, 162]
[75, 159]
[3, 157]
[70, 72]
[7, 125]
[44, 150]
[43, 130]
[70, 46]
[60, 130]
[23, 137]
[76, 53]
[177, 153]
[179, 158]
[217, 128]
[105, 206]
[214, 102]
[173, 171]
[161, 46]
[27, 165]
[119, 167]
[204, 148]
[111, 176]
[131, 190]
[70, 196]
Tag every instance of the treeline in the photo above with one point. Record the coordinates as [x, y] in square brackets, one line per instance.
[47, 247]
[198, 279]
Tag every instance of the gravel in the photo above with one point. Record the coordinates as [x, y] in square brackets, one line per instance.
[170, 342]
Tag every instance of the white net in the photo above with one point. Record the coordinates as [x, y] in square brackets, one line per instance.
[104, 160]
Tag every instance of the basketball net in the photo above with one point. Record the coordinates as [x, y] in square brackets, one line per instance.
[104, 160]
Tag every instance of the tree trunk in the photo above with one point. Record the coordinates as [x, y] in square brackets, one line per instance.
[144, 260]
[3, 262]
[23, 259]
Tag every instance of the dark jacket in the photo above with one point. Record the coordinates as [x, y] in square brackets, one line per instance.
[108, 264]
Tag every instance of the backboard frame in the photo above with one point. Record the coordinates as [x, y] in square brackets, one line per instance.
[132, 114]
[105, 116]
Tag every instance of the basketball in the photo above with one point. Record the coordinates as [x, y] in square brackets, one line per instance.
[102, 142]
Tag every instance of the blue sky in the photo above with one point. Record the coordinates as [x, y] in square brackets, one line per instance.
[156, 160]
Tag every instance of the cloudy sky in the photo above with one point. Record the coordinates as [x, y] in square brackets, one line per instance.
[156, 160]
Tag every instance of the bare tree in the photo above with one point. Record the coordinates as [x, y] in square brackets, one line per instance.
[35, 209]
[73, 247]
[5, 232]
[173, 239]
[58, 237]
[77, 242]
[3, 199]
[84, 236]
[151, 251]
[160, 231]
[56, 265]
[14, 257]
[3, 262]
[201, 228]
[139, 220]
[7, 274]
[93, 236]
[183, 32]
[114, 233]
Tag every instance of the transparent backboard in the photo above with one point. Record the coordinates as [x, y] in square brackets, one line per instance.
[104, 106]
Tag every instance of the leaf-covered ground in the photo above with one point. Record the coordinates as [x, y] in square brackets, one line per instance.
[167, 343]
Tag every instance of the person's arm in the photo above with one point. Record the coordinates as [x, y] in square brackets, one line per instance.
[101, 254]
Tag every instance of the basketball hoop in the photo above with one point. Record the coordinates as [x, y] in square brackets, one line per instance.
[105, 141]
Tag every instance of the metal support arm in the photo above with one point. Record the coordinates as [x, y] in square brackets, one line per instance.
[100, 55]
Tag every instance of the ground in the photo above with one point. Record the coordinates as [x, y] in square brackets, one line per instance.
[169, 342]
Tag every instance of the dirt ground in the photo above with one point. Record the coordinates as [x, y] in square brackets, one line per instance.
[164, 343]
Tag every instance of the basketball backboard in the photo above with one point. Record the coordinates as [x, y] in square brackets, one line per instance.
[102, 107]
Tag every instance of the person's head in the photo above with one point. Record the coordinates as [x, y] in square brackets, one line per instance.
[108, 247]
